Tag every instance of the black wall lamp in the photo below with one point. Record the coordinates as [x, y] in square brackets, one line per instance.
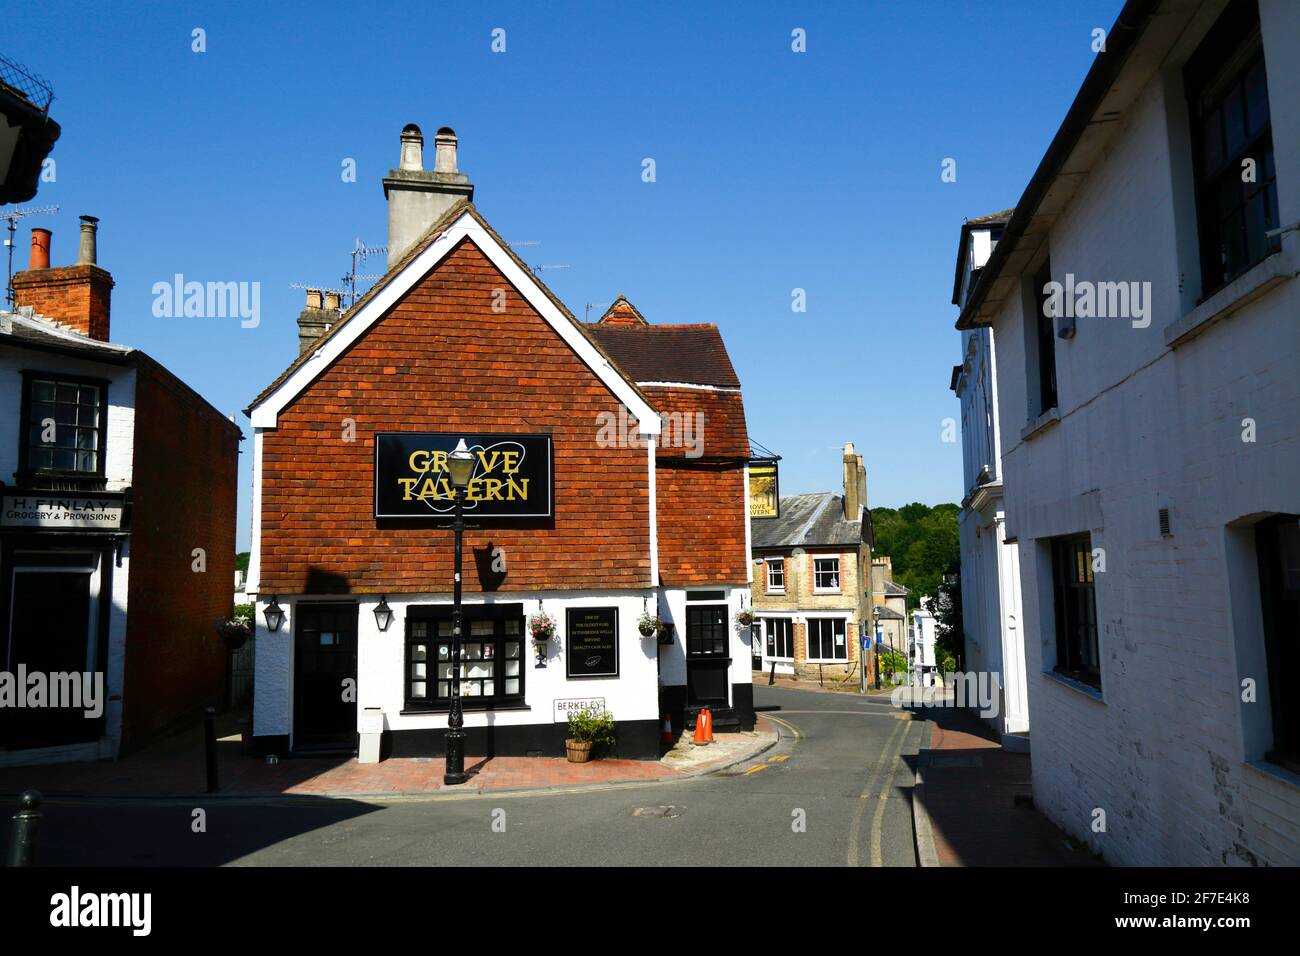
[383, 613]
[274, 615]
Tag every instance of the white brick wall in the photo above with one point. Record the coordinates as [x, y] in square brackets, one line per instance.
[1167, 751]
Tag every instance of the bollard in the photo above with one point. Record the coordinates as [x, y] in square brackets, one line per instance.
[27, 824]
[210, 739]
[771, 678]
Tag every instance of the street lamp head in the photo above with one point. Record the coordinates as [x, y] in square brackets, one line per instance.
[460, 465]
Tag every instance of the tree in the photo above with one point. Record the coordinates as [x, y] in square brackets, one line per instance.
[923, 543]
[950, 638]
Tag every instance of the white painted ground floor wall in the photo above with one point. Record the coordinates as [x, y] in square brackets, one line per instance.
[990, 587]
[633, 695]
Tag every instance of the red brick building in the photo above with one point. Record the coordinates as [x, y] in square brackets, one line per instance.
[577, 509]
[117, 532]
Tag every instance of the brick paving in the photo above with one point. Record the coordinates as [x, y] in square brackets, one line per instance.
[176, 767]
[969, 793]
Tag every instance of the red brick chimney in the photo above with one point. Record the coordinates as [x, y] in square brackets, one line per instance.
[76, 296]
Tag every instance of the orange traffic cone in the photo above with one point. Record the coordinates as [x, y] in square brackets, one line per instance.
[666, 729]
[703, 728]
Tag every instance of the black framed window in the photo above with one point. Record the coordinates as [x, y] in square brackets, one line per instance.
[491, 656]
[1227, 91]
[1074, 591]
[780, 638]
[776, 574]
[65, 420]
[1046, 341]
[706, 631]
[826, 574]
[826, 640]
[1277, 549]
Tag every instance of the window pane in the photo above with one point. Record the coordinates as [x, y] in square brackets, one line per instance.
[1212, 142]
[1256, 99]
[512, 685]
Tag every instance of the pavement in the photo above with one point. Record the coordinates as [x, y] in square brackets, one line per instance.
[973, 801]
[176, 767]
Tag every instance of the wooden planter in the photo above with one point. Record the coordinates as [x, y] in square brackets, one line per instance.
[579, 750]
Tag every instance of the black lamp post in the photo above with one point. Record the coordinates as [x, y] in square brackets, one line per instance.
[460, 465]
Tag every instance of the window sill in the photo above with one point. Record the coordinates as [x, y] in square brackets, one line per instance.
[417, 710]
[1087, 690]
[775, 591]
[1237, 294]
[1040, 424]
[1275, 772]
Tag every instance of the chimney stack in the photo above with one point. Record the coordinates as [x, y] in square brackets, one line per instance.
[321, 314]
[86, 253]
[862, 483]
[852, 492]
[418, 197]
[77, 296]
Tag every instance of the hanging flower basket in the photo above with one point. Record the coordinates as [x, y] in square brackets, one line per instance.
[744, 617]
[541, 627]
[649, 624]
[235, 632]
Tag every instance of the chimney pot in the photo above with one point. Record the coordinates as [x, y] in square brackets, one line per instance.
[86, 254]
[331, 301]
[412, 148]
[444, 150]
[40, 249]
[313, 298]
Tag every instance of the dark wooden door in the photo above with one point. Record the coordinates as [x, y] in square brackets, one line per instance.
[324, 676]
[49, 634]
[707, 658]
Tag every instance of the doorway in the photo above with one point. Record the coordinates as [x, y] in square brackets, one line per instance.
[53, 631]
[324, 659]
[707, 660]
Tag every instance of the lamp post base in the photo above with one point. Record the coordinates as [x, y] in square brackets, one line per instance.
[455, 773]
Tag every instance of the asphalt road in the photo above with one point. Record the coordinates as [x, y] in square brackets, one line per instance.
[833, 792]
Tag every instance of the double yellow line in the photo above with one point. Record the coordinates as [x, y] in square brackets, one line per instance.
[882, 774]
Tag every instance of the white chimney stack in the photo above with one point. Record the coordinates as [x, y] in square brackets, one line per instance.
[417, 198]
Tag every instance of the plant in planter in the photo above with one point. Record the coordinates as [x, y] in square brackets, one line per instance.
[588, 728]
[744, 617]
[649, 624]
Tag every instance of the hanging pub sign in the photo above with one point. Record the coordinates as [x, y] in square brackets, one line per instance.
[591, 642]
[764, 495]
[511, 477]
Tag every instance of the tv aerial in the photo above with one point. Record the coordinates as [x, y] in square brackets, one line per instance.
[11, 219]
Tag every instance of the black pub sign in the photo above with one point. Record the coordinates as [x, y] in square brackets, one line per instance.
[591, 642]
[511, 478]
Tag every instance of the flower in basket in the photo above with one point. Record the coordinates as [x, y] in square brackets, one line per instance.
[541, 627]
[649, 624]
[744, 617]
[235, 632]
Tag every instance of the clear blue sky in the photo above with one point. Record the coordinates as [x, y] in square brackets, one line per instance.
[775, 170]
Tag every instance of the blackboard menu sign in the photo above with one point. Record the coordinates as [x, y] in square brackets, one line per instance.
[591, 642]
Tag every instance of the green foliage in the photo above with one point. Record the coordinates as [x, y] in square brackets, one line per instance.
[949, 642]
[893, 662]
[241, 562]
[244, 612]
[923, 543]
[590, 724]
